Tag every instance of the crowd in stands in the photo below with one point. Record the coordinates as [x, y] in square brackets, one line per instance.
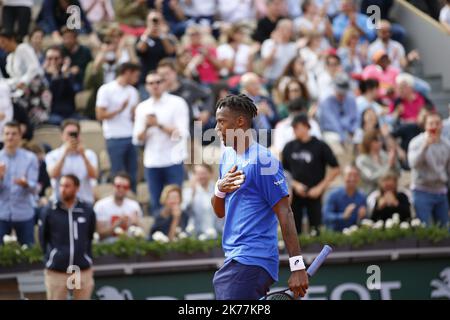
[354, 127]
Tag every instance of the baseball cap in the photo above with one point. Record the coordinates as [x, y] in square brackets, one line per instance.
[341, 83]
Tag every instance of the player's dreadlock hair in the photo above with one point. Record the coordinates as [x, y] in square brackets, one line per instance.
[241, 104]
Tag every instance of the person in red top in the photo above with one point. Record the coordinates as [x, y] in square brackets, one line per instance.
[408, 103]
[204, 64]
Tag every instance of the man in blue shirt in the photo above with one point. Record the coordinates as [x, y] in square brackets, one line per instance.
[345, 206]
[18, 186]
[251, 194]
[351, 18]
[338, 112]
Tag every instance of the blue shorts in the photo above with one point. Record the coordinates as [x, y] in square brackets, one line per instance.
[236, 281]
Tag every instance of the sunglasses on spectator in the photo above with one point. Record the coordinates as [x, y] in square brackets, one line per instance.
[121, 186]
[150, 83]
[53, 57]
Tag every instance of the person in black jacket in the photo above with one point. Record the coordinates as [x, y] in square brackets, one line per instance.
[66, 231]
[306, 159]
[390, 200]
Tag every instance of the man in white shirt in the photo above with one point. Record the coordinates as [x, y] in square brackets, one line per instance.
[394, 49]
[117, 211]
[116, 102]
[162, 126]
[22, 63]
[72, 158]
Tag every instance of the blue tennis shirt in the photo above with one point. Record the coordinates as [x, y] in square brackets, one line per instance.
[250, 231]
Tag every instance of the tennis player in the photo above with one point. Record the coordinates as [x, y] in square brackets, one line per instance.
[251, 194]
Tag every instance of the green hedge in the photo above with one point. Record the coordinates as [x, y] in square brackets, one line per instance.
[12, 253]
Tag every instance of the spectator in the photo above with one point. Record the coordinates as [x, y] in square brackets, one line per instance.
[352, 53]
[62, 86]
[73, 158]
[294, 89]
[17, 12]
[429, 158]
[116, 103]
[199, 99]
[235, 11]
[312, 52]
[117, 211]
[98, 12]
[267, 114]
[307, 159]
[235, 55]
[171, 217]
[54, 15]
[66, 232]
[173, 13]
[199, 11]
[277, 51]
[115, 50]
[198, 199]
[204, 64]
[406, 107]
[369, 122]
[267, 25]
[79, 55]
[373, 162]
[284, 132]
[22, 64]
[444, 16]
[350, 17]
[6, 107]
[313, 21]
[18, 186]
[394, 49]
[325, 78]
[296, 69]
[405, 132]
[388, 200]
[368, 100]
[398, 32]
[162, 126]
[329, 7]
[345, 206]
[383, 72]
[36, 42]
[131, 15]
[337, 113]
[153, 45]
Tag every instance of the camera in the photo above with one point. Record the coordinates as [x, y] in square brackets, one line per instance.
[155, 20]
[73, 135]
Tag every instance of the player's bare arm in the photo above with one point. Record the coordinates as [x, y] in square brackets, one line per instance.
[298, 281]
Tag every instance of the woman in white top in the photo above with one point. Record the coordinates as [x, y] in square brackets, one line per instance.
[313, 21]
[235, 56]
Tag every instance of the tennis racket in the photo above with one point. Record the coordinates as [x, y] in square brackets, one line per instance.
[312, 269]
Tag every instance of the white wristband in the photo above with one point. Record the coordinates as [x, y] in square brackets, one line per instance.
[296, 263]
[218, 193]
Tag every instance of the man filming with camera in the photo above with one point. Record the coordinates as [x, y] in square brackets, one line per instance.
[73, 158]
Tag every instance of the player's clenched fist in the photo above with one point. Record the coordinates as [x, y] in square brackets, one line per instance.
[298, 283]
[231, 181]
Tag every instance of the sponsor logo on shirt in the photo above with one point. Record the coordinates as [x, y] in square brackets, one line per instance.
[279, 182]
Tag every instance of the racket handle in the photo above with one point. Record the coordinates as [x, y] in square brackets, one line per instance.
[319, 260]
